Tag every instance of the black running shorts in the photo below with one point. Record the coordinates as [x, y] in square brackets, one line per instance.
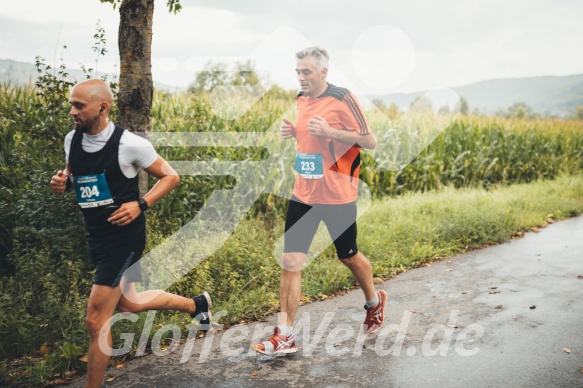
[302, 221]
[110, 267]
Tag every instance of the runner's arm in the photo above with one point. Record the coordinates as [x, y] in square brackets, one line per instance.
[168, 179]
[318, 126]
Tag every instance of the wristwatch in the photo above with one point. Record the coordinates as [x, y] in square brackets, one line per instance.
[143, 204]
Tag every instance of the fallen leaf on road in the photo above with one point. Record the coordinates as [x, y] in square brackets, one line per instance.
[518, 234]
[377, 280]
[119, 366]
[493, 287]
[447, 270]
[566, 350]
[514, 318]
[494, 292]
[499, 306]
[464, 292]
[580, 277]
[581, 370]
[85, 358]
[533, 307]
[536, 230]
[453, 326]
[254, 373]
[110, 378]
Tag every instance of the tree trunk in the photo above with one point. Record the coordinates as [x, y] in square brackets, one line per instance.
[135, 80]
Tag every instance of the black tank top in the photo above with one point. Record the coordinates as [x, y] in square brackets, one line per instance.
[102, 235]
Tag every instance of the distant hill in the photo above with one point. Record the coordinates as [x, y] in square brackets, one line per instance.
[555, 96]
[18, 73]
[23, 73]
[550, 96]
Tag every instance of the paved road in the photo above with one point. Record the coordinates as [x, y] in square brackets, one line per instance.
[479, 303]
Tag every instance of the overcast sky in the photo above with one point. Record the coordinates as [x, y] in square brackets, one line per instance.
[375, 46]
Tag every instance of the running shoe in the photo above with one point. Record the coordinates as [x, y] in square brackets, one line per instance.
[277, 344]
[375, 315]
[202, 314]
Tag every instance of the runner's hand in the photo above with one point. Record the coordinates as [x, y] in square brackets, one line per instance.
[287, 129]
[126, 214]
[318, 126]
[59, 182]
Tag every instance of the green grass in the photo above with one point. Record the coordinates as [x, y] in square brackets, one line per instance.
[409, 230]
[395, 234]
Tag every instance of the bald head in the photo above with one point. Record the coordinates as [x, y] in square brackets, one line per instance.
[94, 90]
[91, 101]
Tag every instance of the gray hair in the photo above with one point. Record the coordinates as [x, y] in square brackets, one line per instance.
[320, 55]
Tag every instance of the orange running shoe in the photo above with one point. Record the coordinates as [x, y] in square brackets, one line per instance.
[277, 344]
[375, 316]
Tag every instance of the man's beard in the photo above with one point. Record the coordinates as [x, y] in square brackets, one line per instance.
[86, 126]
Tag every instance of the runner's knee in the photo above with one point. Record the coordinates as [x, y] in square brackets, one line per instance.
[347, 261]
[356, 259]
[94, 321]
[293, 261]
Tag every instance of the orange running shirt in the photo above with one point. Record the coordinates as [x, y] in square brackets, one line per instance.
[341, 161]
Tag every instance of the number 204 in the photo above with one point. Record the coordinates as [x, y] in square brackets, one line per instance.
[88, 192]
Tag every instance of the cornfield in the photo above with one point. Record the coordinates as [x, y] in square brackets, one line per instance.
[414, 154]
[469, 152]
[218, 144]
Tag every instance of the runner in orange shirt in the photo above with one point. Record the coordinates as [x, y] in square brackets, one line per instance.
[330, 130]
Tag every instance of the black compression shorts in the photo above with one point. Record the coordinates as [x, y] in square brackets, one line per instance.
[302, 220]
[110, 267]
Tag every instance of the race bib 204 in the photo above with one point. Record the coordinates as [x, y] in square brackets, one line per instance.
[92, 191]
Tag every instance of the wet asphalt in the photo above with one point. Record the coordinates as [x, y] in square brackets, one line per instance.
[510, 315]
